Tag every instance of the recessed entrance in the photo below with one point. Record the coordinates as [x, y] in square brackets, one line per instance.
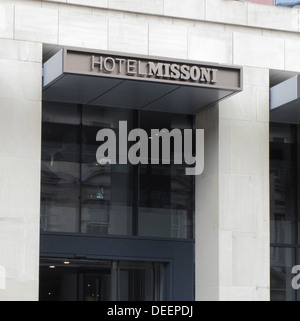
[101, 280]
[132, 224]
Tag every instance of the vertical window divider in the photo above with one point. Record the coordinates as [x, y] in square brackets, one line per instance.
[80, 168]
[135, 186]
[118, 280]
[296, 185]
[296, 216]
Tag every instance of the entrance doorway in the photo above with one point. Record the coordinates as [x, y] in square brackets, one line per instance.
[101, 280]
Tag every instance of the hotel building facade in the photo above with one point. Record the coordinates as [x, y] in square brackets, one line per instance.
[75, 227]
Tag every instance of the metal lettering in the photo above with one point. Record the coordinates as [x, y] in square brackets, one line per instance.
[155, 69]
[112, 62]
[213, 76]
[120, 61]
[175, 73]
[195, 73]
[95, 63]
[167, 70]
[205, 74]
[185, 75]
[131, 66]
[139, 70]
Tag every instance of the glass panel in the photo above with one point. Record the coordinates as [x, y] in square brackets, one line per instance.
[282, 261]
[165, 202]
[79, 280]
[106, 189]
[80, 195]
[95, 286]
[282, 183]
[60, 168]
[91, 280]
[166, 193]
[140, 281]
[58, 284]
[297, 187]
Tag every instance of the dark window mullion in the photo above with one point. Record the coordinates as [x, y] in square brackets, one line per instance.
[80, 135]
[294, 173]
[296, 203]
[135, 185]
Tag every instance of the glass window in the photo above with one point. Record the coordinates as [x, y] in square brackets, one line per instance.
[166, 193]
[166, 202]
[282, 262]
[284, 205]
[80, 195]
[91, 280]
[60, 168]
[283, 183]
[141, 281]
[106, 192]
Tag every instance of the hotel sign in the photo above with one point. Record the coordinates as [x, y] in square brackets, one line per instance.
[143, 68]
[154, 69]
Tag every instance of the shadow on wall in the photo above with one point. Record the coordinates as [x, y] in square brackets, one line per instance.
[2, 278]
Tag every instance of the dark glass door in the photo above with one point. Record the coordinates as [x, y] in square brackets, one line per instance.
[94, 285]
[91, 280]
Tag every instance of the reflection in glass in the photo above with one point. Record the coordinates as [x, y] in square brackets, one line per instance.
[60, 170]
[283, 183]
[94, 285]
[166, 194]
[100, 280]
[79, 195]
[284, 204]
[141, 281]
[80, 280]
[165, 202]
[105, 189]
[282, 261]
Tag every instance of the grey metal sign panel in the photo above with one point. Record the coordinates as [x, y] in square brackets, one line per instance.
[111, 79]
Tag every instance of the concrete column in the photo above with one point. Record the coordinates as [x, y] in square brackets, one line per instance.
[20, 141]
[232, 196]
